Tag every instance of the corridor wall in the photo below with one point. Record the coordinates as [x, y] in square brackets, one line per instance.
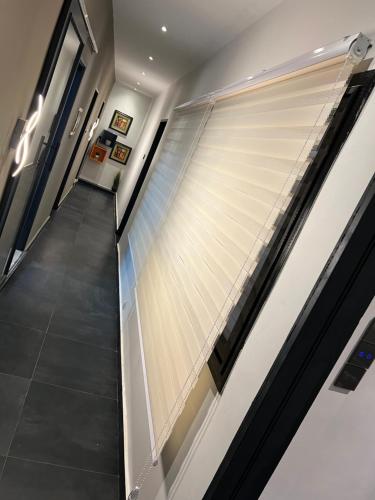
[132, 103]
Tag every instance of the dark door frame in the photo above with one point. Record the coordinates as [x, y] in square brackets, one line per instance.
[88, 143]
[75, 149]
[338, 301]
[141, 178]
[41, 89]
[70, 12]
[47, 163]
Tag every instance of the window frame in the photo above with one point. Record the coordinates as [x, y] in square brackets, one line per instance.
[258, 287]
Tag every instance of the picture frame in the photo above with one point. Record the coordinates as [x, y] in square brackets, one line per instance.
[121, 122]
[98, 153]
[120, 153]
[107, 138]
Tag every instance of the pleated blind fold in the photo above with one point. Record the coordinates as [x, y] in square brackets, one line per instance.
[225, 176]
[181, 136]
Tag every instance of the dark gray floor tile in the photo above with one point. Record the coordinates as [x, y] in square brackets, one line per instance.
[99, 222]
[77, 201]
[23, 480]
[91, 238]
[68, 428]
[19, 349]
[100, 257]
[20, 306]
[35, 279]
[78, 366]
[101, 275]
[86, 313]
[12, 396]
[52, 252]
[67, 217]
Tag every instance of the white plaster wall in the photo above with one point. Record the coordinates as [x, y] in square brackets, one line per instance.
[332, 455]
[132, 103]
[160, 109]
[293, 28]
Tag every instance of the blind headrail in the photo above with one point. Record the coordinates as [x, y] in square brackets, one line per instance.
[354, 46]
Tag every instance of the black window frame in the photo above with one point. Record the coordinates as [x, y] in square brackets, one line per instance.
[259, 285]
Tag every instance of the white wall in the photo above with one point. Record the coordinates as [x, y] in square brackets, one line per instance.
[293, 28]
[133, 104]
[161, 108]
[332, 455]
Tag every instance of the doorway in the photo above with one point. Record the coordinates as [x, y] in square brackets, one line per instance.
[141, 178]
[89, 142]
[24, 191]
[75, 150]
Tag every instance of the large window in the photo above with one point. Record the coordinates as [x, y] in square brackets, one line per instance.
[228, 177]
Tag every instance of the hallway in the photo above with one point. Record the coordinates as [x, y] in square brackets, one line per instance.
[58, 359]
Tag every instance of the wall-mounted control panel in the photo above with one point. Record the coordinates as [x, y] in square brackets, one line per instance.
[359, 360]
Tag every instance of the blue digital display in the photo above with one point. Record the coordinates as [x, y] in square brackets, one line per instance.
[369, 356]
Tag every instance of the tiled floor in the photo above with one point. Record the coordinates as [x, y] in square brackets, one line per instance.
[58, 360]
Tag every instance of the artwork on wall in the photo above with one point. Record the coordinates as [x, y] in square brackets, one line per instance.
[98, 153]
[107, 138]
[121, 122]
[120, 153]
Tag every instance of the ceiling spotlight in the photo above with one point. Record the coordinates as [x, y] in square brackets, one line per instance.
[138, 83]
[164, 29]
[150, 58]
[249, 78]
[135, 88]
[143, 73]
[317, 51]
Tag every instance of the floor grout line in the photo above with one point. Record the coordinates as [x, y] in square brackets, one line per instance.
[73, 390]
[26, 394]
[16, 376]
[63, 466]
[10, 323]
[81, 342]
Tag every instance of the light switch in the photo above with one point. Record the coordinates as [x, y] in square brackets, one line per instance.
[349, 377]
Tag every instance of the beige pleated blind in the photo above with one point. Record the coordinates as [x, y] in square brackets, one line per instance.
[181, 137]
[225, 175]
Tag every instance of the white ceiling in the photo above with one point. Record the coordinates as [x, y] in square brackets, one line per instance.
[196, 30]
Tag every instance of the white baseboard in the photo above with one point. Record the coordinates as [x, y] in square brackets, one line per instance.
[71, 187]
[122, 356]
[99, 186]
[37, 234]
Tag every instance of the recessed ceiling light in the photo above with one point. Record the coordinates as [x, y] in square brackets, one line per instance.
[135, 88]
[249, 78]
[143, 73]
[138, 83]
[317, 51]
[151, 58]
[164, 29]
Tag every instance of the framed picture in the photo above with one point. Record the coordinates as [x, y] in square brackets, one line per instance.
[98, 153]
[120, 153]
[108, 138]
[121, 122]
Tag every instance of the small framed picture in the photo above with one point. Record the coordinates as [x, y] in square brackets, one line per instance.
[121, 122]
[108, 138]
[98, 153]
[120, 153]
